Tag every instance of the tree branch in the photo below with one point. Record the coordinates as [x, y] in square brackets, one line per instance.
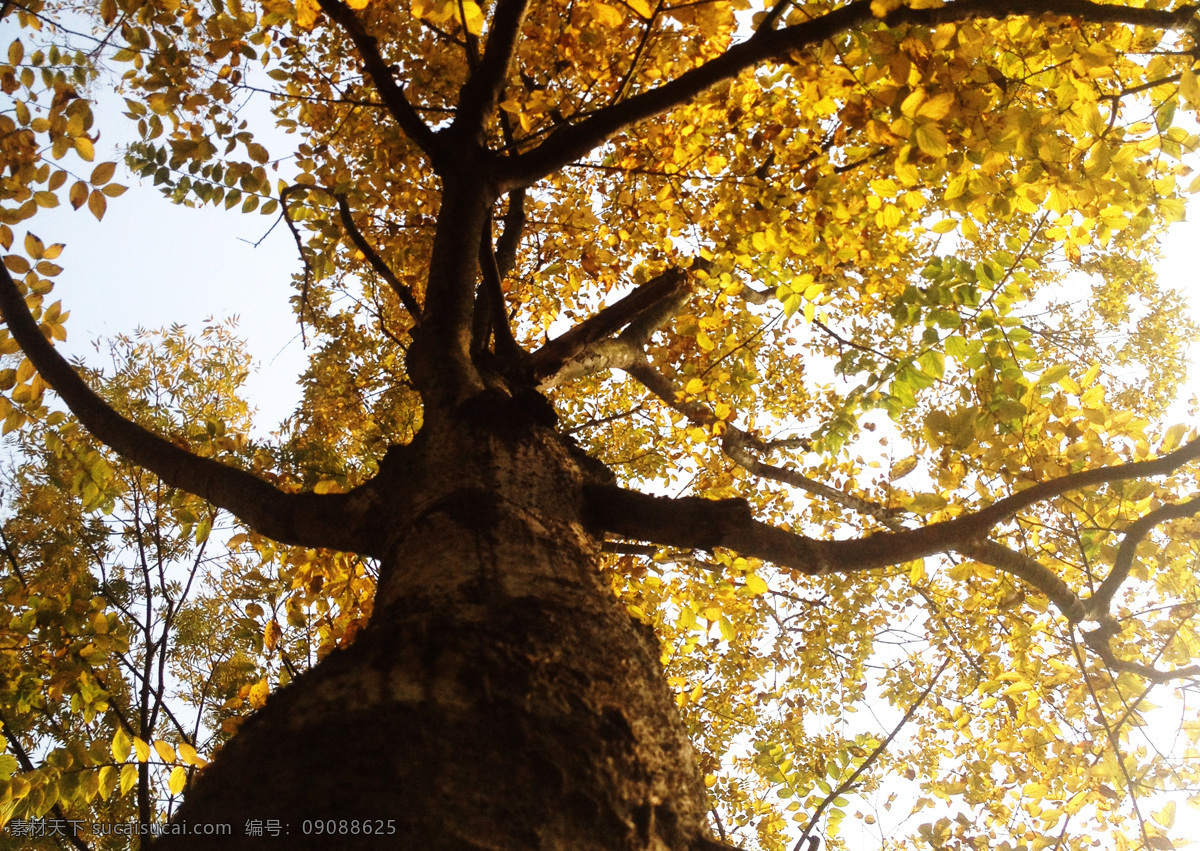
[569, 143]
[381, 268]
[384, 80]
[338, 521]
[1131, 537]
[479, 95]
[702, 524]
[1098, 641]
[286, 213]
[1031, 571]
[510, 237]
[659, 290]
[735, 442]
[848, 784]
[507, 348]
[734, 447]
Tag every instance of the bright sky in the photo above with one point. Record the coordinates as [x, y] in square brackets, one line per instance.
[151, 263]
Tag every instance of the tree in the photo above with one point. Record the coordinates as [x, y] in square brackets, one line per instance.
[733, 243]
[111, 582]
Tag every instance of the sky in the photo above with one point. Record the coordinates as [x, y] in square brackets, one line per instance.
[150, 263]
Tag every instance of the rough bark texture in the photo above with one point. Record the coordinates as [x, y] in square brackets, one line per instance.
[501, 698]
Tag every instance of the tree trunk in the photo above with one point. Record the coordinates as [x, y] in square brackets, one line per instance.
[501, 697]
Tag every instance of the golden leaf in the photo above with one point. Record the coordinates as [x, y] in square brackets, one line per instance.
[271, 634]
[937, 107]
[120, 745]
[607, 15]
[474, 15]
[307, 12]
[187, 754]
[756, 584]
[85, 148]
[258, 694]
[129, 776]
[102, 174]
[164, 750]
[177, 780]
[640, 7]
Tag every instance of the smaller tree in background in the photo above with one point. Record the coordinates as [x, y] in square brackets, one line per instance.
[135, 636]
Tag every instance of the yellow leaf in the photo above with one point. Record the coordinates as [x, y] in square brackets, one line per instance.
[34, 247]
[358, 5]
[937, 107]
[1035, 790]
[1189, 87]
[912, 103]
[271, 634]
[164, 750]
[129, 776]
[607, 15]
[258, 694]
[97, 204]
[694, 387]
[120, 745]
[177, 780]
[756, 584]
[926, 503]
[187, 753]
[1173, 437]
[16, 264]
[79, 194]
[640, 7]
[105, 779]
[902, 468]
[307, 12]
[943, 35]
[85, 148]
[141, 748]
[474, 14]
[931, 140]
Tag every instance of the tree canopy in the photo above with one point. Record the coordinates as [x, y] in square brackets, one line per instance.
[855, 299]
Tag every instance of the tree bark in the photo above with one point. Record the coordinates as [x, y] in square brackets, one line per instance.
[501, 697]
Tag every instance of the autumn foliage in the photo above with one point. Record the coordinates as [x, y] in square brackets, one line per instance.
[859, 296]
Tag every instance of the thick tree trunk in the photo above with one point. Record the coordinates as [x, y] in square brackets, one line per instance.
[501, 698]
